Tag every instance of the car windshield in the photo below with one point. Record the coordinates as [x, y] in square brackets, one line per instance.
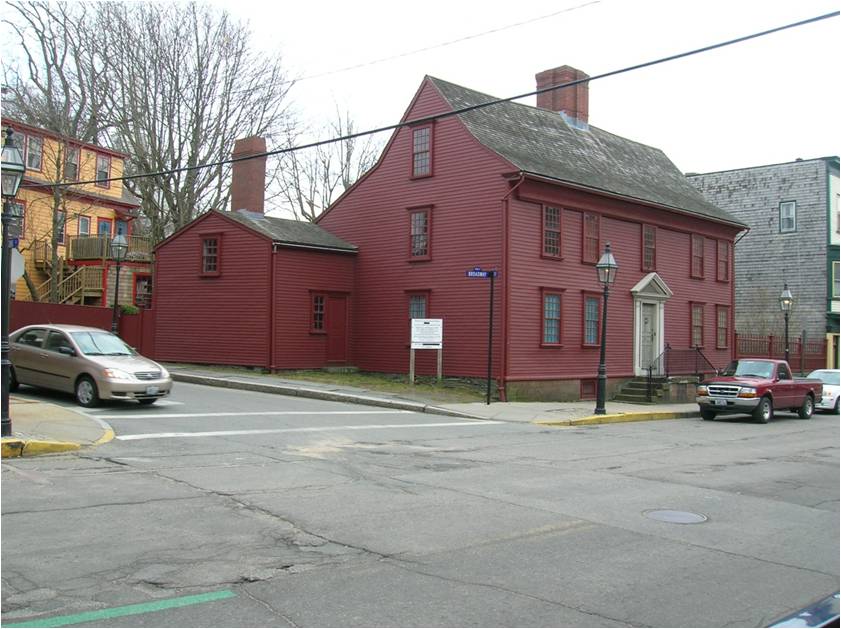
[101, 344]
[755, 368]
[827, 377]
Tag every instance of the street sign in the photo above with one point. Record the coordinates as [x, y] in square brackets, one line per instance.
[478, 272]
[17, 266]
[14, 242]
[427, 333]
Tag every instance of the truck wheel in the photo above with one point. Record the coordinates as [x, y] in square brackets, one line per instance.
[807, 409]
[707, 414]
[764, 411]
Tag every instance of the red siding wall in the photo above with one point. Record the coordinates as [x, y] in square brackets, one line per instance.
[222, 319]
[465, 193]
[297, 274]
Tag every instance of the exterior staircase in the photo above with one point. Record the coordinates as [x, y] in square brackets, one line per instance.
[75, 285]
[636, 391]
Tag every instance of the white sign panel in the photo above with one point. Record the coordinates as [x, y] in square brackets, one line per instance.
[427, 333]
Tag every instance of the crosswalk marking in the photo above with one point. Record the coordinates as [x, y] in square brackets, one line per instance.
[244, 414]
[268, 431]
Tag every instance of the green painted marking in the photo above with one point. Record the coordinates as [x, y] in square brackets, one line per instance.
[127, 610]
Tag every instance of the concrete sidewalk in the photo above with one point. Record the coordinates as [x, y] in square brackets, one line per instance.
[43, 428]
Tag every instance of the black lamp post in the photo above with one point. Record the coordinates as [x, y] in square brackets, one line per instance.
[786, 302]
[119, 247]
[606, 268]
[11, 175]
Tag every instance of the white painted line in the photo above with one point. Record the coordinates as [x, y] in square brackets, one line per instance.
[246, 414]
[231, 433]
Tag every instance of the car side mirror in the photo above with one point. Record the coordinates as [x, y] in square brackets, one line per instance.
[67, 351]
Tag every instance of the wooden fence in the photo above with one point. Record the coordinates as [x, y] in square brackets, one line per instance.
[804, 356]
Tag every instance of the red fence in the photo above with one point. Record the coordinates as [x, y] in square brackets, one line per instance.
[136, 330]
[803, 356]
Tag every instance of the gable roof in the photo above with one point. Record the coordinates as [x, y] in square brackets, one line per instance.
[290, 232]
[540, 142]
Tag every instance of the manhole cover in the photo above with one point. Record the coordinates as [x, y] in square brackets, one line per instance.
[675, 517]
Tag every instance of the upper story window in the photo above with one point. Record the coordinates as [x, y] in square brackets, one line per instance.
[71, 163]
[649, 248]
[34, 152]
[419, 234]
[103, 170]
[422, 151]
[788, 217]
[210, 251]
[18, 209]
[697, 253]
[590, 238]
[551, 318]
[836, 279]
[722, 273]
[551, 232]
[84, 225]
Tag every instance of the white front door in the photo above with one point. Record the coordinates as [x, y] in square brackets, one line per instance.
[648, 335]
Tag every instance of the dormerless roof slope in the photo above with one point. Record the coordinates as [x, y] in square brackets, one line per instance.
[540, 142]
[291, 232]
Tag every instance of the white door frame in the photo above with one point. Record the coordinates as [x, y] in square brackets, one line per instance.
[650, 290]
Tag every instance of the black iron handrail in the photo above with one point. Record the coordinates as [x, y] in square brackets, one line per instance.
[691, 361]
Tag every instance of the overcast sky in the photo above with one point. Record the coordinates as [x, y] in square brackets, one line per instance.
[769, 100]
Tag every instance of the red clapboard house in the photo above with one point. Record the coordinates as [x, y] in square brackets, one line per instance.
[534, 193]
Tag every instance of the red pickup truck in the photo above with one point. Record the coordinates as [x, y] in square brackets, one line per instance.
[756, 386]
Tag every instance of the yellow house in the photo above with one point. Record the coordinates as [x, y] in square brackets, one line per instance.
[66, 231]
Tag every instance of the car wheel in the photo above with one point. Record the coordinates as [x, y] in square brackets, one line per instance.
[87, 394]
[764, 411]
[13, 381]
[807, 409]
[707, 414]
[148, 401]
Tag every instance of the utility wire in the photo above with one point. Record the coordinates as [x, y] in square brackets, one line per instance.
[455, 112]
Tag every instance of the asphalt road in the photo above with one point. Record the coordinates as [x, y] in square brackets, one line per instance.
[229, 508]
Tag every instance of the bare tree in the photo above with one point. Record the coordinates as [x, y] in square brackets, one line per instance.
[306, 182]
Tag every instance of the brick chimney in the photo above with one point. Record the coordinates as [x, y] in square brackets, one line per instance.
[248, 177]
[573, 101]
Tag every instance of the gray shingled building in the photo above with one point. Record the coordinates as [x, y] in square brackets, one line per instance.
[792, 211]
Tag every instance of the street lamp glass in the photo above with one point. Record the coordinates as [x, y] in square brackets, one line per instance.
[12, 167]
[119, 247]
[786, 299]
[607, 266]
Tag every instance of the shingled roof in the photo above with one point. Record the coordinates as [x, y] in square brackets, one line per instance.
[540, 142]
[291, 232]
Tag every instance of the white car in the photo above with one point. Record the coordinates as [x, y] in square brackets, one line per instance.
[831, 390]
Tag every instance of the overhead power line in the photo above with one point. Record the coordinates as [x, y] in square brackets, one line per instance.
[456, 112]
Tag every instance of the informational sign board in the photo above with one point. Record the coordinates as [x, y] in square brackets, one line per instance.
[427, 333]
[478, 272]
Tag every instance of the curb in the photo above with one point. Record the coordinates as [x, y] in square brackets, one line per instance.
[318, 394]
[615, 418]
[12, 448]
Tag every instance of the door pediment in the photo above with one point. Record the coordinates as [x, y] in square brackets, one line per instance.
[652, 286]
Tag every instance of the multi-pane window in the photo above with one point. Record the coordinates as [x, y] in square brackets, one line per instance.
[649, 250]
[723, 262]
[551, 319]
[722, 315]
[836, 279]
[84, 226]
[103, 170]
[143, 291]
[417, 306]
[788, 216]
[210, 256]
[419, 234]
[34, 152]
[60, 219]
[697, 253]
[422, 152]
[71, 163]
[18, 209]
[591, 320]
[697, 325]
[590, 248]
[318, 309]
[552, 231]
